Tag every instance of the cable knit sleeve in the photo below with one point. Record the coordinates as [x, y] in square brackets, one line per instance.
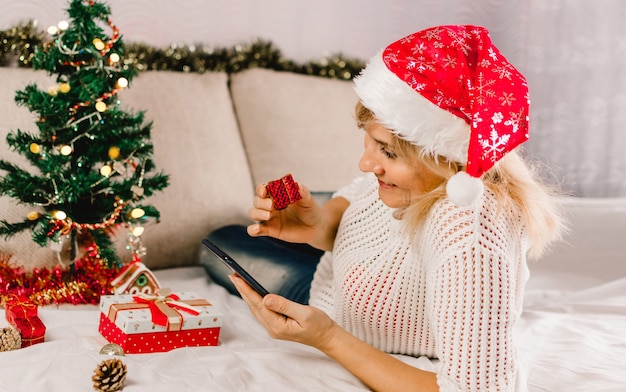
[472, 289]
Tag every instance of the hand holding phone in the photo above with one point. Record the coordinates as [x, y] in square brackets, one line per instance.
[235, 267]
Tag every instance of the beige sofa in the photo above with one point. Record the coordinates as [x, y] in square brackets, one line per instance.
[217, 136]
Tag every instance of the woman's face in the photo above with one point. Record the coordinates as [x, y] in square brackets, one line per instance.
[400, 180]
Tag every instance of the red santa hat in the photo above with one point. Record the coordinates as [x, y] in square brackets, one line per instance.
[449, 90]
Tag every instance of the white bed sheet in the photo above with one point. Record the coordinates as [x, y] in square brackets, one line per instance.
[574, 341]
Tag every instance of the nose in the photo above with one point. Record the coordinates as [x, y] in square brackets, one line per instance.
[369, 162]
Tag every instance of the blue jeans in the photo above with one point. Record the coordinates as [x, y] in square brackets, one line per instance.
[281, 267]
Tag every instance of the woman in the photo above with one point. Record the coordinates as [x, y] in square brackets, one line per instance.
[426, 254]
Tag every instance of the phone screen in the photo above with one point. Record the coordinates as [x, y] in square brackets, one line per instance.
[235, 267]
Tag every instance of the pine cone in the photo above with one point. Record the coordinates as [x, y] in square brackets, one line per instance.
[10, 339]
[109, 376]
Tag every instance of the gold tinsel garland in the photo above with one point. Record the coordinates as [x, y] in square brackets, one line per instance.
[18, 44]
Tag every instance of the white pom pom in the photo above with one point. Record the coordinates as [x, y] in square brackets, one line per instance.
[463, 189]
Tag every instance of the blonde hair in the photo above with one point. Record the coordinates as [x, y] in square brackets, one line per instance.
[515, 183]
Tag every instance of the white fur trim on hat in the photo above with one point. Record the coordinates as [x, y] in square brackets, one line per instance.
[412, 117]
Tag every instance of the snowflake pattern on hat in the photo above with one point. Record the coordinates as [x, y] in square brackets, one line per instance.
[459, 69]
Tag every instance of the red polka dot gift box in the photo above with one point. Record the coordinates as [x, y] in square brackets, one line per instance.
[146, 323]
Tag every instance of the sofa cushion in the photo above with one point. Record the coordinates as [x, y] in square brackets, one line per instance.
[298, 124]
[197, 142]
[20, 247]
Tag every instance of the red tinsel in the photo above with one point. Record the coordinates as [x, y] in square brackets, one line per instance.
[84, 284]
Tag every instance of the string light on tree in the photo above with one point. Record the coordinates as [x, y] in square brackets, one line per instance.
[122, 83]
[63, 25]
[64, 88]
[106, 170]
[114, 152]
[137, 213]
[97, 42]
[138, 231]
[65, 150]
[59, 215]
[101, 106]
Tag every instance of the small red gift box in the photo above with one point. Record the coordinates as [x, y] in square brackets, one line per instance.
[283, 191]
[23, 315]
[33, 330]
[157, 323]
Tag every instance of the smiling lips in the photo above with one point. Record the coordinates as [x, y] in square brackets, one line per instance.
[383, 184]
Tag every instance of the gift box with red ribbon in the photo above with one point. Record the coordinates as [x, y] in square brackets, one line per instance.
[145, 323]
[23, 315]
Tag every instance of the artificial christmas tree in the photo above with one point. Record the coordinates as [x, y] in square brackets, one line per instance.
[92, 159]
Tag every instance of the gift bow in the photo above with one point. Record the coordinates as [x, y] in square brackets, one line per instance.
[21, 313]
[20, 307]
[164, 308]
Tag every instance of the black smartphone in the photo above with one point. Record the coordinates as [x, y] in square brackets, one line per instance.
[235, 267]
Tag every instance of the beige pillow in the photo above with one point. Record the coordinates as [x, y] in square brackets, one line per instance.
[20, 247]
[298, 124]
[197, 142]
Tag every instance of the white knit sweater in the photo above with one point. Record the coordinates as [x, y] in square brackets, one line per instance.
[454, 295]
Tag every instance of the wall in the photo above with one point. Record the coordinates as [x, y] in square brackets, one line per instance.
[302, 29]
[573, 53]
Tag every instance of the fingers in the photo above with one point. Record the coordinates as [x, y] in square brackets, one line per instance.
[262, 211]
[285, 319]
[266, 316]
[282, 305]
[254, 230]
[307, 200]
[259, 229]
[251, 297]
[262, 205]
[261, 190]
[272, 302]
[260, 215]
[304, 191]
[275, 223]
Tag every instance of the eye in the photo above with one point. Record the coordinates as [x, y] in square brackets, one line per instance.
[388, 153]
